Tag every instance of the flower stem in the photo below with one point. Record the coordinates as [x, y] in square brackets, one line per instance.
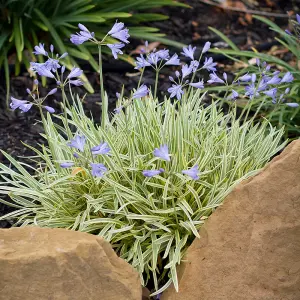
[260, 106]
[156, 83]
[103, 98]
[69, 134]
[140, 80]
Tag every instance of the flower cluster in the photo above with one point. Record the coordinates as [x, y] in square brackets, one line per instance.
[118, 32]
[25, 105]
[178, 84]
[268, 84]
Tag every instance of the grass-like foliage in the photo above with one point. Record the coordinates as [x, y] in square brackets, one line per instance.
[148, 176]
[149, 221]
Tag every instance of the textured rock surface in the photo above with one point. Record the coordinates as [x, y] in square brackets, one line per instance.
[57, 264]
[250, 247]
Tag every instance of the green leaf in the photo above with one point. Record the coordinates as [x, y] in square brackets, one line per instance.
[7, 79]
[18, 34]
[225, 38]
[78, 54]
[59, 43]
[249, 54]
[3, 38]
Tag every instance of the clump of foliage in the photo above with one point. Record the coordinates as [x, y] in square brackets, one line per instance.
[148, 176]
[281, 116]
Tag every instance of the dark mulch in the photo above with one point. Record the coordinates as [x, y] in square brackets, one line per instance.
[189, 26]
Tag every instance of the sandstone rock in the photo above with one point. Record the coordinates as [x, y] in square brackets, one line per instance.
[58, 264]
[250, 247]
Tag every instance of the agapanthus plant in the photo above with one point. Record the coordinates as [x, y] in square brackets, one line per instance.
[147, 178]
[281, 107]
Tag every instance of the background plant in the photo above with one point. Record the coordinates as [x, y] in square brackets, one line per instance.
[25, 23]
[289, 118]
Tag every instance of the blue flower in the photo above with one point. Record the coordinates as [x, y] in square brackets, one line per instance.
[271, 93]
[83, 28]
[153, 59]
[116, 49]
[64, 55]
[234, 94]
[198, 85]
[119, 33]
[292, 104]
[41, 69]
[263, 85]
[118, 26]
[206, 47]
[288, 32]
[50, 109]
[83, 36]
[151, 173]
[251, 91]
[53, 91]
[78, 39]
[163, 54]
[118, 109]
[186, 70]
[67, 164]
[287, 78]
[142, 91]
[244, 78]
[25, 107]
[215, 79]
[141, 62]
[102, 148]
[162, 152]
[174, 61]
[76, 82]
[52, 64]
[78, 142]
[189, 51]
[209, 64]
[194, 65]
[98, 170]
[176, 90]
[40, 50]
[192, 172]
[15, 103]
[75, 72]
[274, 80]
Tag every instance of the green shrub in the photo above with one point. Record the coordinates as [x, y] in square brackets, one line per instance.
[25, 23]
